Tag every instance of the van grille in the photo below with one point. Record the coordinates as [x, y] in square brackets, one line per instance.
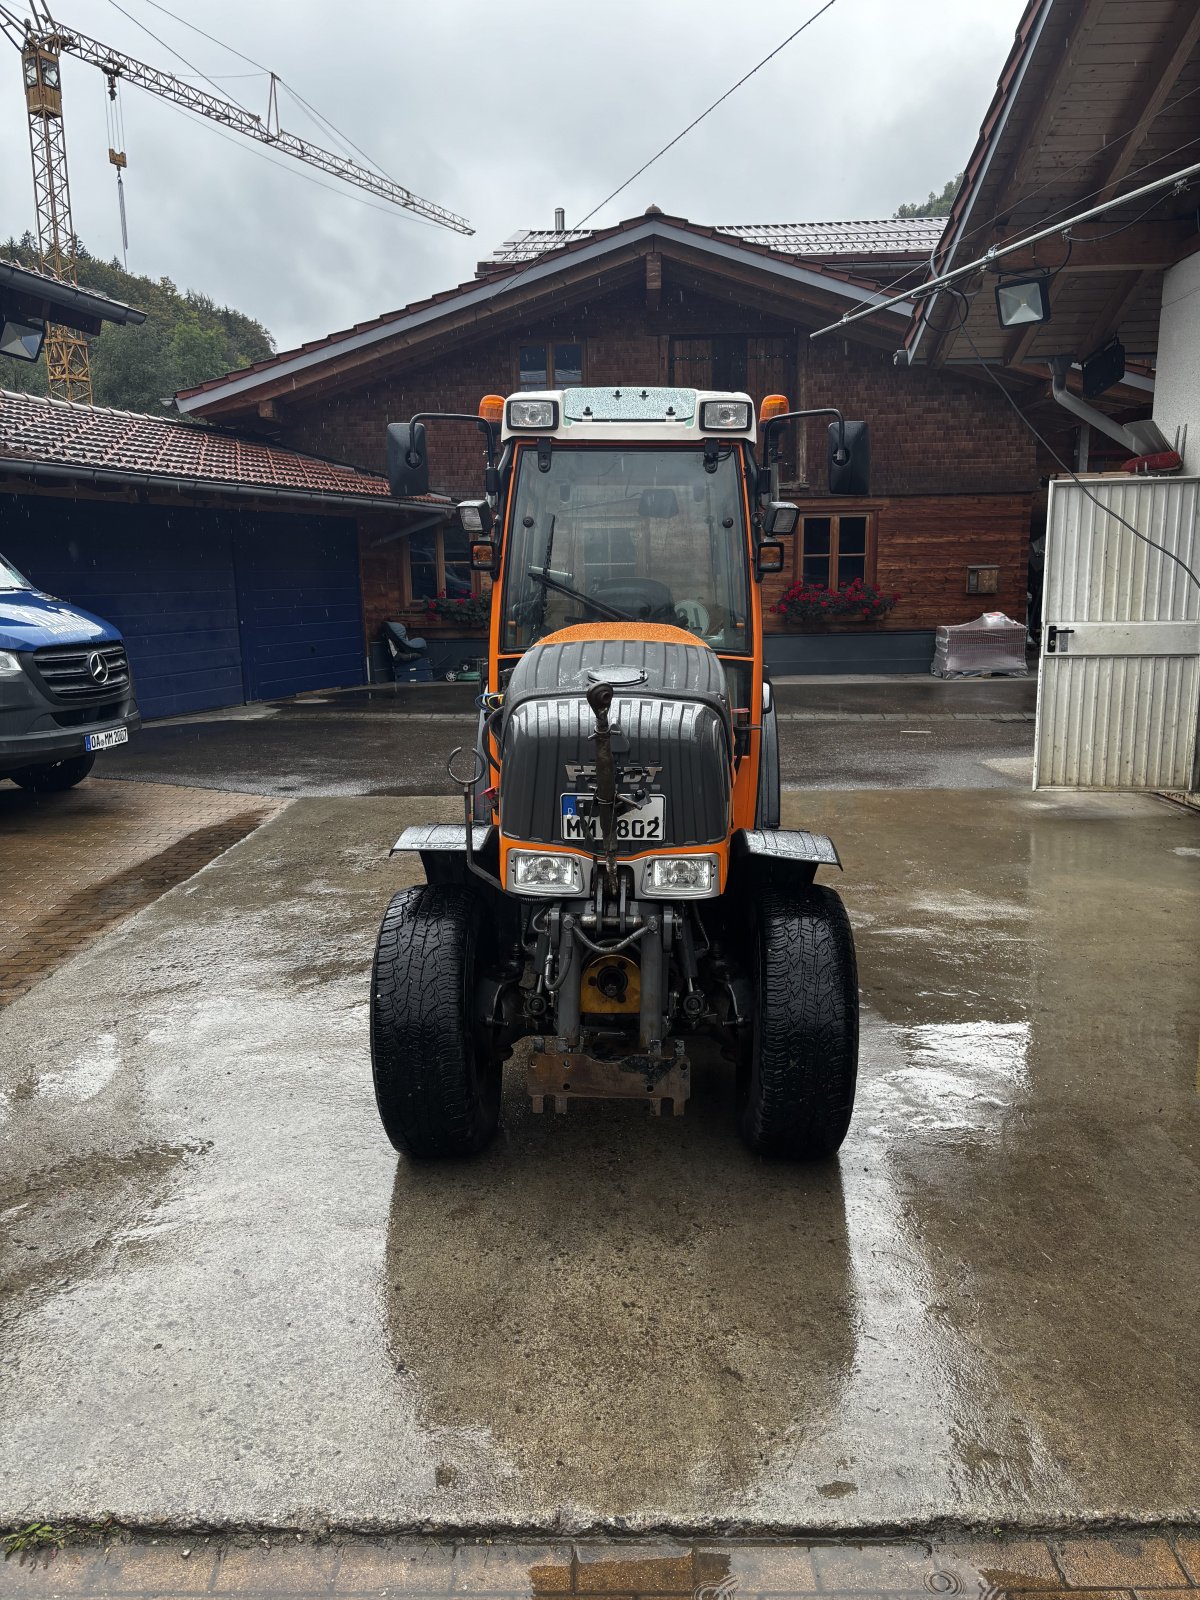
[66, 672]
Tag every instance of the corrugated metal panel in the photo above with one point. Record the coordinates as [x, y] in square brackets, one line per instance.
[1118, 709]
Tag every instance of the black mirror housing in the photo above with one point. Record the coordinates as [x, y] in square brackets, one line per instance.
[769, 556]
[853, 474]
[407, 460]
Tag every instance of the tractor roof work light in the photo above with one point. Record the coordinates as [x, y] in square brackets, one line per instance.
[1021, 302]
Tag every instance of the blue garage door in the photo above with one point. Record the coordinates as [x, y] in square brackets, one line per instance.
[300, 604]
[163, 576]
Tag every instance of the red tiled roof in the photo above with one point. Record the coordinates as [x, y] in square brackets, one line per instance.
[516, 269]
[62, 433]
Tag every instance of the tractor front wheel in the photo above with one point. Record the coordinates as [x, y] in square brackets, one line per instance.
[796, 1083]
[437, 1084]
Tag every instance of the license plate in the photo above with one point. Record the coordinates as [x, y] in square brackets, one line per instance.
[106, 739]
[643, 824]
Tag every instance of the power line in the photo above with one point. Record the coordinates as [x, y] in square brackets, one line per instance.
[1030, 194]
[696, 121]
[670, 145]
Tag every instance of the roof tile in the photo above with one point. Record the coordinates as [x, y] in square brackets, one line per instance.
[63, 433]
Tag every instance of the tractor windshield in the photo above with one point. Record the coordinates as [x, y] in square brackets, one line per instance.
[627, 535]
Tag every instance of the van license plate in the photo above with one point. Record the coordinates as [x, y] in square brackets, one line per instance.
[644, 824]
[106, 740]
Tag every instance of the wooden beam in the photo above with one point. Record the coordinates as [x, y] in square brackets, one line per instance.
[1164, 73]
[653, 281]
[1032, 143]
[1108, 322]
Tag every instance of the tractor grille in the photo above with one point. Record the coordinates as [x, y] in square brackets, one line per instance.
[66, 671]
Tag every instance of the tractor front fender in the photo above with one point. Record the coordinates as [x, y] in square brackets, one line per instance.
[784, 856]
[442, 847]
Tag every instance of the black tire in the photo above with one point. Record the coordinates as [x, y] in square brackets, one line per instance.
[796, 1084]
[56, 775]
[436, 1084]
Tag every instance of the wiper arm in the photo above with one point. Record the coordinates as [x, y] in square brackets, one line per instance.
[611, 612]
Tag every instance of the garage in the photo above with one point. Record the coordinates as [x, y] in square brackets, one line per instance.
[231, 566]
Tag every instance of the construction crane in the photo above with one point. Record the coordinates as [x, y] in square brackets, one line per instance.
[42, 42]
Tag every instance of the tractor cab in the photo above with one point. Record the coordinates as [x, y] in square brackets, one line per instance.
[619, 890]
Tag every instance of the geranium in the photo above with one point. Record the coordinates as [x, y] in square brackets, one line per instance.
[804, 602]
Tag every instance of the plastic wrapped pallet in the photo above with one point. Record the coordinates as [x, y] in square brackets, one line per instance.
[993, 643]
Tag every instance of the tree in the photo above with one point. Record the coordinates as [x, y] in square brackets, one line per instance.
[185, 340]
[938, 205]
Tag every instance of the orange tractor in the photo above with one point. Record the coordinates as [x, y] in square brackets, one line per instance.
[620, 886]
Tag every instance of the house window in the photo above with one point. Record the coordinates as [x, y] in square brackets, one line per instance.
[550, 366]
[835, 550]
[439, 563]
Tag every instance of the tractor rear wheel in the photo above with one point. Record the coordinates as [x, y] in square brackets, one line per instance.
[437, 1084]
[796, 1084]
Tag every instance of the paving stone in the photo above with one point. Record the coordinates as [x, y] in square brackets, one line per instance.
[1010, 1564]
[1125, 1563]
[1187, 1548]
[394, 1566]
[758, 1569]
[853, 1568]
[291, 1569]
[74, 865]
[661, 1567]
[511, 1569]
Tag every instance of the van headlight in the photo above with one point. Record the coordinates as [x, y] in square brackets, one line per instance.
[10, 665]
[670, 877]
[544, 872]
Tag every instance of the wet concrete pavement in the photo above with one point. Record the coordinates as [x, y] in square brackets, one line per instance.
[391, 740]
[224, 1300]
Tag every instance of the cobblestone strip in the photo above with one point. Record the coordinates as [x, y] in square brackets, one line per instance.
[1156, 1566]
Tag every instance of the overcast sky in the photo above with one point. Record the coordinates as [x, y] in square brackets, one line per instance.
[500, 112]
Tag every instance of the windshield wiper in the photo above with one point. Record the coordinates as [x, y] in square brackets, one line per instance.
[611, 612]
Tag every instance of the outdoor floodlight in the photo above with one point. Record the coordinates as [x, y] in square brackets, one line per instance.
[22, 340]
[1022, 301]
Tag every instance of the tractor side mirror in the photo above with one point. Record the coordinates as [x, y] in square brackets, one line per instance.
[769, 557]
[780, 519]
[407, 460]
[848, 459]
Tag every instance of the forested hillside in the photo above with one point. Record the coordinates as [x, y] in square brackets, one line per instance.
[185, 338]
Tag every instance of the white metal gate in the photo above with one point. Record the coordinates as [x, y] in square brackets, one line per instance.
[1119, 682]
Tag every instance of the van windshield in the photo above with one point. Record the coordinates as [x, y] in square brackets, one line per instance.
[10, 578]
[641, 535]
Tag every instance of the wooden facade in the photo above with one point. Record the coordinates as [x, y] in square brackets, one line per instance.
[953, 469]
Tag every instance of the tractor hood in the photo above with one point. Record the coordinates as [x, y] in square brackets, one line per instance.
[672, 727]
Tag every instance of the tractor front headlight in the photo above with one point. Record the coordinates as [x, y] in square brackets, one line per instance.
[684, 877]
[539, 414]
[725, 416]
[541, 872]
